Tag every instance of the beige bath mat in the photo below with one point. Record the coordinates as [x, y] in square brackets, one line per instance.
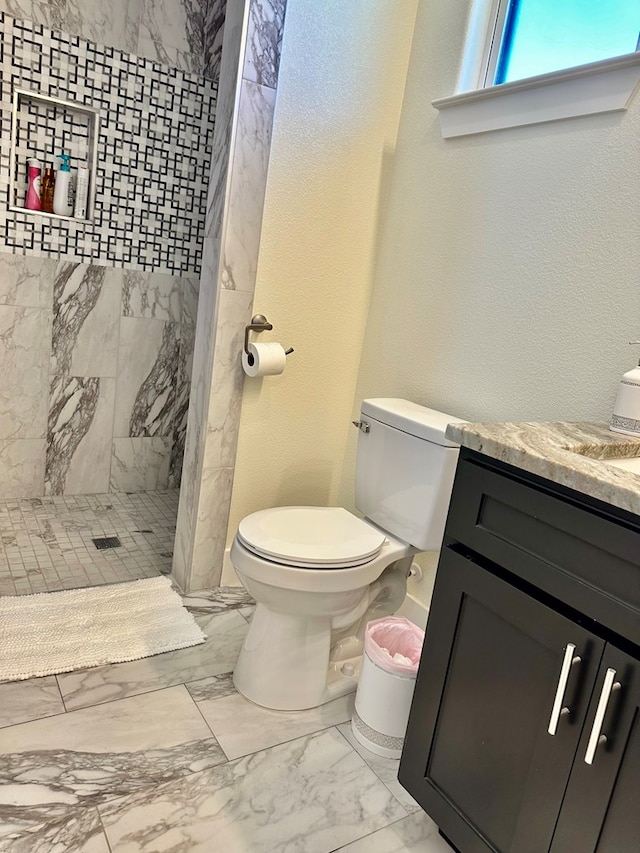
[53, 632]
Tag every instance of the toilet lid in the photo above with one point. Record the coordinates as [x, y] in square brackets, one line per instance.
[310, 536]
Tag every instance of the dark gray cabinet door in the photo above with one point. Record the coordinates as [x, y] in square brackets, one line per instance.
[601, 811]
[478, 754]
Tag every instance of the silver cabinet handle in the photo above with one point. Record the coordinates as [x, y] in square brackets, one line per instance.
[596, 738]
[557, 710]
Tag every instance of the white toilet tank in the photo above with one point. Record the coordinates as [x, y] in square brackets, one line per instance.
[405, 468]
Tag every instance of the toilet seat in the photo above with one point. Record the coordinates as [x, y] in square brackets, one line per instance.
[310, 537]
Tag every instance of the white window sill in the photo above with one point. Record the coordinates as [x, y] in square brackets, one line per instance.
[599, 87]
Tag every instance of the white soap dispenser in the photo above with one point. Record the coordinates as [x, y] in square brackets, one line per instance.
[626, 412]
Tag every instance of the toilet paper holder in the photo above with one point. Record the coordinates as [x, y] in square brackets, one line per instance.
[259, 323]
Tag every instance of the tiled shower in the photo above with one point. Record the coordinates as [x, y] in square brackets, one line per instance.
[118, 335]
[97, 319]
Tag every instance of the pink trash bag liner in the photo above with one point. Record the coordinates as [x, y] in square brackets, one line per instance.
[394, 636]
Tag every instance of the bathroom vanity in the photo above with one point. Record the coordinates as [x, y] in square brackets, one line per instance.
[524, 733]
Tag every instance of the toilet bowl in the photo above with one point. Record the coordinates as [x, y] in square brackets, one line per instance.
[319, 574]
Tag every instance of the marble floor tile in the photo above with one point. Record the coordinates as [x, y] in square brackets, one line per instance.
[78, 830]
[50, 767]
[162, 719]
[218, 600]
[314, 794]
[248, 612]
[241, 727]
[212, 688]
[225, 633]
[21, 701]
[386, 769]
[414, 834]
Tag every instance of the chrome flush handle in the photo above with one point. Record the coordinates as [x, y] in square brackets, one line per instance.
[558, 710]
[363, 426]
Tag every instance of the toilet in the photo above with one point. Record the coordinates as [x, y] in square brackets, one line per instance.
[319, 574]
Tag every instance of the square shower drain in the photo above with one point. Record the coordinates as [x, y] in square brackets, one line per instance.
[105, 542]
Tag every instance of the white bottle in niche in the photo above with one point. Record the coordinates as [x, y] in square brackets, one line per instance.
[63, 195]
[82, 190]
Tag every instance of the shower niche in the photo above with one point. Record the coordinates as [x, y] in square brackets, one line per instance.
[41, 128]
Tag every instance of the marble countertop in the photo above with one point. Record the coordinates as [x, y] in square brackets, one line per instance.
[571, 454]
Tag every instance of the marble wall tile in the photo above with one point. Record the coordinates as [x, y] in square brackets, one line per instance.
[154, 295]
[218, 654]
[140, 464]
[205, 332]
[26, 281]
[25, 348]
[210, 532]
[198, 403]
[179, 436]
[22, 462]
[213, 37]
[50, 15]
[227, 87]
[313, 794]
[180, 25]
[187, 505]
[264, 41]
[248, 186]
[86, 318]
[228, 377]
[168, 55]
[115, 24]
[21, 701]
[79, 442]
[240, 727]
[189, 288]
[147, 372]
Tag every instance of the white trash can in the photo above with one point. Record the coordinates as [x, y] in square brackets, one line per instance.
[392, 648]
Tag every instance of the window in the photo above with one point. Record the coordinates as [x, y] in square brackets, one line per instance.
[533, 61]
[540, 36]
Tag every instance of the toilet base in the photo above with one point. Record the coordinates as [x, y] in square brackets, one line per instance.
[286, 663]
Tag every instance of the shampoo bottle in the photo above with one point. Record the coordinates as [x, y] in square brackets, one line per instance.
[63, 193]
[82, 189]
[33, 191]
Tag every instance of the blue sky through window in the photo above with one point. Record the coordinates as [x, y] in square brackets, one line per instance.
[549, 35]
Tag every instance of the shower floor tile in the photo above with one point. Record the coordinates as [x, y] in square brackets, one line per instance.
[46, 543]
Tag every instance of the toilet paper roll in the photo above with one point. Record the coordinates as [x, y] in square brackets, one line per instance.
[264, 360]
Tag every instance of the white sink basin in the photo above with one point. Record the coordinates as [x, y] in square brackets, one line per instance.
[632, 464]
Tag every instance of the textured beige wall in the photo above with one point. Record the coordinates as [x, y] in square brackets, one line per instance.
[339, 98]
[506, 283]
[505, 265]
[507, 276]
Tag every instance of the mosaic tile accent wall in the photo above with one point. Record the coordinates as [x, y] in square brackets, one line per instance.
[154, 152]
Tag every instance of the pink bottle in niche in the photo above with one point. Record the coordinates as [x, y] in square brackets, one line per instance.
[33, 192]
